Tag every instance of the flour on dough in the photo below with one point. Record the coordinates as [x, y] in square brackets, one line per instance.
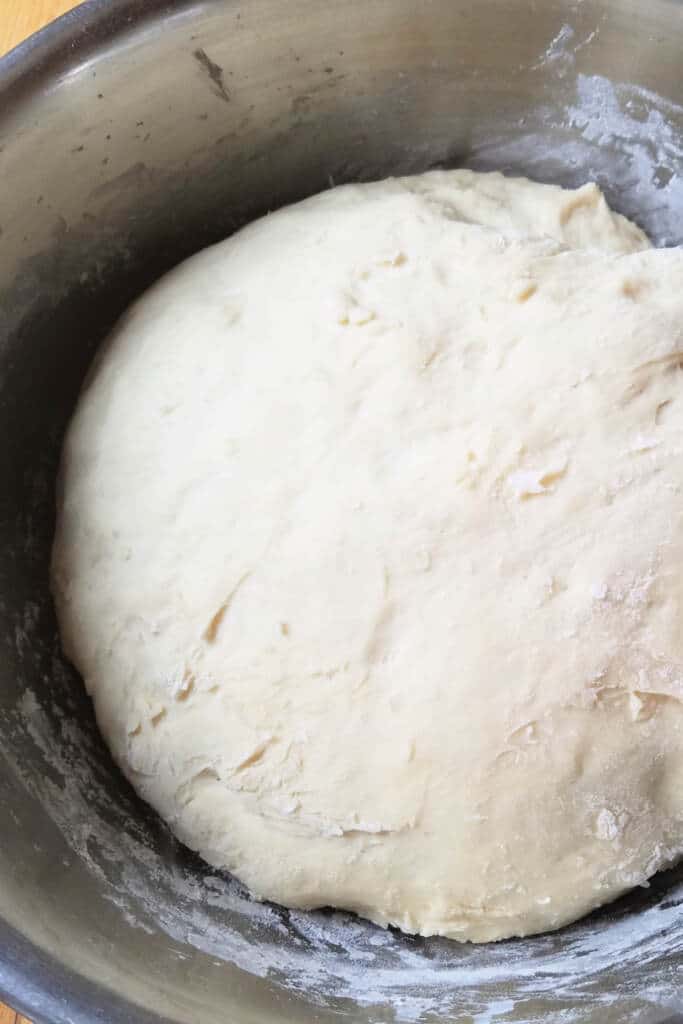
[370, 553]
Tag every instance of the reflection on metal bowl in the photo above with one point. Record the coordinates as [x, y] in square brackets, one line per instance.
[130, 136]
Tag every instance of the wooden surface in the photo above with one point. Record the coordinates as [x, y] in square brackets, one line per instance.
[8, 1016]
[18, 19]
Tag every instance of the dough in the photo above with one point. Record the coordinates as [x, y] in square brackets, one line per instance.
[370, 553]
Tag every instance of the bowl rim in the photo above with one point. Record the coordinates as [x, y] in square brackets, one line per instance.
[68, 40]
[37, 985]
[33, 981]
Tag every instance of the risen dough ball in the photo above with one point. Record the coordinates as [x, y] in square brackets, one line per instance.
[370, 553]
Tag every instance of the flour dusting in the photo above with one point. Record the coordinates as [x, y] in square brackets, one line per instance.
[630, 142]
[626, 138]
[630, 954]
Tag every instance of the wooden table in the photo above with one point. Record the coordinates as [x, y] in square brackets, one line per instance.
[18, 19]
[8, 1016]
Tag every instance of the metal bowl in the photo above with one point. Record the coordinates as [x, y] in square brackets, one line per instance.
[131, 135]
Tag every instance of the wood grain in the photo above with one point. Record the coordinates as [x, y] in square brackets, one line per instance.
[8, 1016]
[18, 19]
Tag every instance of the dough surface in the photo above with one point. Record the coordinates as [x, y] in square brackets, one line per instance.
[370, 553]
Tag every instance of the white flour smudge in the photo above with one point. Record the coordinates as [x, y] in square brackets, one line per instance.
[327, 956]
[630, 141]
[626, 138]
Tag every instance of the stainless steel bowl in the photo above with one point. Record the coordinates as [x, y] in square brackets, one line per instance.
[132, 134]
